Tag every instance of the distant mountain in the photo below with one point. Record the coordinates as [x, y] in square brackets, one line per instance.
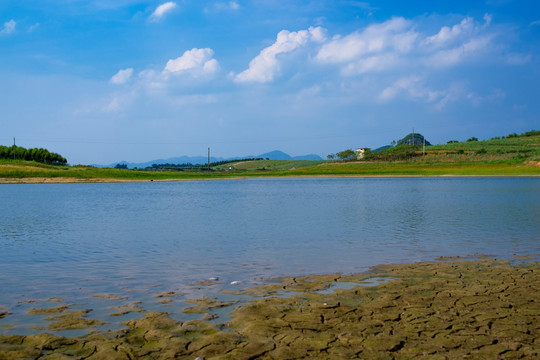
[275, 155]
[383, 147]
[198, 160]
[280, 155]
[307, 157]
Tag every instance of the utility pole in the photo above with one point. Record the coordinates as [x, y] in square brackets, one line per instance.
[424, 148]
[413, 136]
[14, 147]
[208, 159]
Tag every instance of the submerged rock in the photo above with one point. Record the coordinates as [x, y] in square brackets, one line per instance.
[110, 296]
[126, 308]
[3, 312]
[206, 304]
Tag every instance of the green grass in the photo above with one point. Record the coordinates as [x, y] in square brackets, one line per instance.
[513, 156]
[502, 148]
[415, 168]
[272, 165]
[404, 168]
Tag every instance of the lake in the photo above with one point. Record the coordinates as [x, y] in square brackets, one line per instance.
[76, 241]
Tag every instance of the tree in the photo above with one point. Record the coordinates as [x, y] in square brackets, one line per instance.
[413, 139]
[346, 154]
[331, 156]
[38, 155]
[472, 139]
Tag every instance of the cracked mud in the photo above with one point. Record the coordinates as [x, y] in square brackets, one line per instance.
[480, 309]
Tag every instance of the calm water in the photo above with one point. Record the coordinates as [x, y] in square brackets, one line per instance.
[78, 240]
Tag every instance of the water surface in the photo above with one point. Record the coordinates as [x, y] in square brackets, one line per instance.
[78, 240]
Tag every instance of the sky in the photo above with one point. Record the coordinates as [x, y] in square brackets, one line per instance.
[102, 81]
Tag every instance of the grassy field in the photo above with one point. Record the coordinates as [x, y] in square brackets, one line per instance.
[509, 156]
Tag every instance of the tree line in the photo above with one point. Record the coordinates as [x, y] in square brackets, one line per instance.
[34, 154]
[187, 166]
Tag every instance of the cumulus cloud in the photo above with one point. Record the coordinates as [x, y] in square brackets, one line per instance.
[196, 62]
[455, 55]
[376, 48]
[162, 10]
[265, 66]
[122, 76]
[9, 27]
[447, 34]
[395, 44]
[392, 34]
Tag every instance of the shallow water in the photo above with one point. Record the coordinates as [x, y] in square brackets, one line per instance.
[75, 241]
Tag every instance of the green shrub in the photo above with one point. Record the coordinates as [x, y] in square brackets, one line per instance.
[481, 151]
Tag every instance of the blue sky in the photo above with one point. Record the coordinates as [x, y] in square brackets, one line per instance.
[100, 81]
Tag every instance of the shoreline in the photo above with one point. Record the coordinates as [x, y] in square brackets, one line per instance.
[70, 180]
[452, 307]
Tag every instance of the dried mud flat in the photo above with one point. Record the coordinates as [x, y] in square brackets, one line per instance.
[483, 309]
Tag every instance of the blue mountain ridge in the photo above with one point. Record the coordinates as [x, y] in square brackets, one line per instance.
[199, 160]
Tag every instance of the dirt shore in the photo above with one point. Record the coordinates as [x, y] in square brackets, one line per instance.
[70, 180]
[482, 309]
[59, 180]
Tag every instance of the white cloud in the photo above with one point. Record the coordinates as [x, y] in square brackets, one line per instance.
[488, 18]
[162, 10]
[453, 56]
[396, 44]
[377, 48]
[518, 59]
[495, 95]
[122, 76]
[223, 6]
[9, 27]
[413, 87]
[265, 66]
[196, 62]
[447, 34]
[33, 27]
[394, 34]
[375, 63]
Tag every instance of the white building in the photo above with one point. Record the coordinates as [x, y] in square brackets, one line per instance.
[361, 152]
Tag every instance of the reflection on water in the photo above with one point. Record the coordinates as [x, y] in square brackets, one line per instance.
[78, 240]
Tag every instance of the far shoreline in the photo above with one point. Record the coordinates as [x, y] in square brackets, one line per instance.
[70, 180]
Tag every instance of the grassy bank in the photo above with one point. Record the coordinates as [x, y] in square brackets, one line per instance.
[509, 156]
[484, 309]
[14, 172]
